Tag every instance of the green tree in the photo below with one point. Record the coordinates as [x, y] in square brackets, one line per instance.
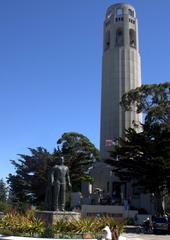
[151, 99]
[3, 191]
[79, 154]
[29, 182]
[144, 157]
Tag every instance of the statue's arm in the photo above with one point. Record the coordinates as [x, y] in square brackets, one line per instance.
[52, 176]
[68, 178]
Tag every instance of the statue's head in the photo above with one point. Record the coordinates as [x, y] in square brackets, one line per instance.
[59, 160]
[62, 160]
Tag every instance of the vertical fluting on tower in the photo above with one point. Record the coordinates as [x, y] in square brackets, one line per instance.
[121, 71]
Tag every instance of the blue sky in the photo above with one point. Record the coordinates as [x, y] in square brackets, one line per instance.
[50, 68]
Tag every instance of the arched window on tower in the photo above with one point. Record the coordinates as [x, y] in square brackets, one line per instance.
[130, 12]
[107, 39]
[132, 38]
[119, 37]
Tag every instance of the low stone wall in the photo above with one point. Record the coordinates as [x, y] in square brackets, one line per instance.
[93, 210]
[141, 217]
[118, 212]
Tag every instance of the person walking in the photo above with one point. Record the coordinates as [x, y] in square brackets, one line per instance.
[107, 234]
[115, 233]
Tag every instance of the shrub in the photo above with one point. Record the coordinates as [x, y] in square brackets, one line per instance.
[27, 224]
[5, 207]
[61, 227]
[48, 232]
[20, 224]
[103, 221]
[84, 226]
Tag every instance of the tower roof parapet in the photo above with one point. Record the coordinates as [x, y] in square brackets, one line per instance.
[119, 9]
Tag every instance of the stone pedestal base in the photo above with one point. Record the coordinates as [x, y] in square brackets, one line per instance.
[51, 217]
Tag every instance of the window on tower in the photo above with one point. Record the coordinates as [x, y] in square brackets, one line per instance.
[107, 40]
[119, 12]
[130, 13]
[132, 38]
[119, 37]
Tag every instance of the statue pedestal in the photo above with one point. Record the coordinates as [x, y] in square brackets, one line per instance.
[51, 217]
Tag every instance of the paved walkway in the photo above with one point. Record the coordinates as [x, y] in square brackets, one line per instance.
[127, 236]
[132, 236]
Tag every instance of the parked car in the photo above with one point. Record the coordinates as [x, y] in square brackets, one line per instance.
[161, 225]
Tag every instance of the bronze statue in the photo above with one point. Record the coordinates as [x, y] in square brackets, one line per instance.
[58, 177]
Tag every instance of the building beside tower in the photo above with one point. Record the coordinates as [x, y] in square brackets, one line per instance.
[121, 71]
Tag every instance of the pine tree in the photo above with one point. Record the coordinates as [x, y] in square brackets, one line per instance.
[79, 154]
[144, 157]
[3, 191]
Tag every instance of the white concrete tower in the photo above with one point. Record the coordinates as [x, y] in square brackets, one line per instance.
[121, 71]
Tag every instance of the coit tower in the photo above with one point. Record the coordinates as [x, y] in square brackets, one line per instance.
[121, 71]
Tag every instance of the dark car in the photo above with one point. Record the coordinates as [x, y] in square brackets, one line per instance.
[161, 225]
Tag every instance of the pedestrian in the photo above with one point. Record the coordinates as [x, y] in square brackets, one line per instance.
[107, 235]
[115, 233]
[148, 225]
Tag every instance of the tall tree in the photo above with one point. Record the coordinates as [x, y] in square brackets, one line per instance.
[29, 182]
[3, 191]
[151, 99]
[79, 154]
[145, 156]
